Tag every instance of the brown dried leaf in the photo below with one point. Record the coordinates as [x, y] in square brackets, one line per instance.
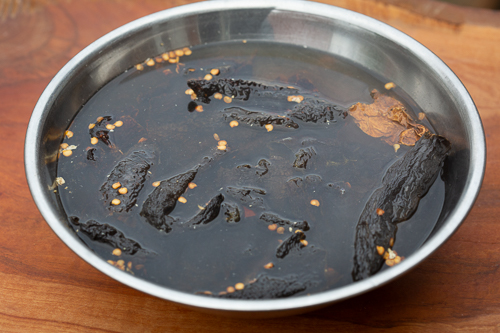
[387, 118]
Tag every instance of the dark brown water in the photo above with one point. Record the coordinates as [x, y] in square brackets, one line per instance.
[347, 167]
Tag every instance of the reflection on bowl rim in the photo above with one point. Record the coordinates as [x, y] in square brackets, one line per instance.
[279, 306]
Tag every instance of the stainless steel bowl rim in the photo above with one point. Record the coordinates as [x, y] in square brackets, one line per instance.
[476, 173]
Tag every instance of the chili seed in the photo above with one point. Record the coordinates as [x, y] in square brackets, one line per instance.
[67, 153]
[116, 202]
[110, 127]
[91, 126]
[139, 67]
[68, 134]
[222, 143]
[64, 145]
[94, 140]
[233, 123]
[228, 99]
[269, 127]
[208, 77]
[179, 53]
[380, 212]
[380, 250]
[182, 200]
[315, 202]
[272, 227]
[230, 289]
[117, 252]
[156, 184]
[304, 242]
[218, 96]
[116, 185]
[269, 265]
[280, 230]
[215, 71]
[123, 190]
[119, 123]
[389, 85]
[199, 108]
[192, 185]
[239, 286]
[150, 62]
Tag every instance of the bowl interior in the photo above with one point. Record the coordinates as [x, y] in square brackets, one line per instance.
[369, 43]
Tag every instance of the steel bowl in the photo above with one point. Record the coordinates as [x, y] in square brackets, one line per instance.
[366, 41]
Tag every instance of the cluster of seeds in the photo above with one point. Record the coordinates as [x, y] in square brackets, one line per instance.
[390, 256]
[296, 99]
[171, 57]
[121, 190]
[120, 264]
[66, 149]
[221, 144]
[110, 127]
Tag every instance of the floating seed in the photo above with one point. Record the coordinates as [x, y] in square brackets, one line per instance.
[228, 99]
[64, 145]
[187, 51]
[165, 56]
[391, 242]
[199, 108]
[230, 289]
[192, 185]
[117, 252]
[239, 286]
[215, 71]
[189, 92]
[272, 227]
[315, 202]
[68, 134]
[158, 59]
[380, 212]
[110, 127]
[280, 230]
[216, 137]
[119, 123]
[390, 85]
[296, 99]
[91, 126]
[218, 96]
[116, 202]
[208, 77]
[380, 250]
[67, 153]
[179, 53]
[269, 127]
[396, 147]
[150, 62]
[123, 190]
[156, 184]
[390, 262]
[222, 143]
[139, 67]
[116, 185]
[233, 123]
[421, 116]
[397, 260]
[269, 265]
[94, 140]
[111, 262]
[222, 147]
[304, 242]
[182, 200]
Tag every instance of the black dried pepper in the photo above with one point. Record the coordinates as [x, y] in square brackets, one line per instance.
[405, 182]
[107, 234]
[131, 173]
[163, 199]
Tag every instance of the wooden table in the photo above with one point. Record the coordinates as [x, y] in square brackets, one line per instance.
[45, 287]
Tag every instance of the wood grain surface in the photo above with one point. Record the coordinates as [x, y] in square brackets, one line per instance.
[45, 287]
